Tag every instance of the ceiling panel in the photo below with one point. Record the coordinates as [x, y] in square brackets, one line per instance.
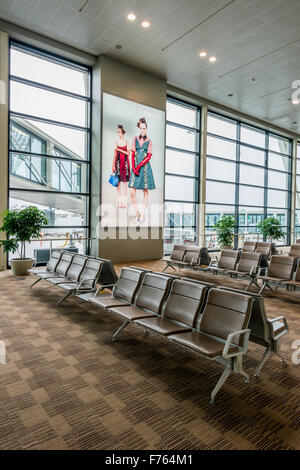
[251, 39]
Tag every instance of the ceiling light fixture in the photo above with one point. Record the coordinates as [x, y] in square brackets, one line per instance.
[295, 101]
[212, 59]
[203, 54]
[146, 24]
[131, 16]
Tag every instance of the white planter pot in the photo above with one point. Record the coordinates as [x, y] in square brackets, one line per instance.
[20, 266]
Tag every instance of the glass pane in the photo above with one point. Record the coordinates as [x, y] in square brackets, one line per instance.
[221, 148]
[297, 220]
[181, 138]
[221, 126]
[277, 198]
[215, 212]
[279, 144]
[47, 174]
[279, 214]
[180, 189]
[64, 238]
[180, 214]
[278, 162]
[220, 170]
[252, 175]
[181, 114]
[278, 180]
[220, 192]
[250, 155]
[297, 183]
[180, 163]
[253, 136]
[251, 196]
[25, 99]
[298, 166]
[60, 209]
[178, 236]
[72, 142]
[298, 200]
[49, 72]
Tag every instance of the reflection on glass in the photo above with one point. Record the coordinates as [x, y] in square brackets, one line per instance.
[279, 144]
[178, 236]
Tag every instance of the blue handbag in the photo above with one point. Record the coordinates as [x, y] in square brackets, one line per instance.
[114, 180]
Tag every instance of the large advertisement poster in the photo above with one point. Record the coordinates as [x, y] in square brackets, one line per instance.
[133, 149]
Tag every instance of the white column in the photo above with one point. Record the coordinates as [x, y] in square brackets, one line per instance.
[4, 51]
[294, 188]
[202, 186]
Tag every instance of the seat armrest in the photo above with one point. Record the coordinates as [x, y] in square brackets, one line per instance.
[253, 271]
[242, 349]
[273, 320]
[266, 269]
[103, 287]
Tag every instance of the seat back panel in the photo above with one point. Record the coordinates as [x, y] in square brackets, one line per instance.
[153, 292]
[249, 246]
[76, 267]
[178, 253]
[263, 248]
[224, 313]
[53, 261]
[64, 264]
[228, 259]
[127, 284]
[185, 301]
[248, 261]
[92, 270]
[281, 267]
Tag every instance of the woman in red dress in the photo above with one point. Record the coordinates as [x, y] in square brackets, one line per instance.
[121, 165]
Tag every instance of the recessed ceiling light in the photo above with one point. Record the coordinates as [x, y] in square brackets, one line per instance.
[230, 94]
[146, 24]
[203, 54]
[118, 46]
[212, 59]
[295, 101]
[131, 16]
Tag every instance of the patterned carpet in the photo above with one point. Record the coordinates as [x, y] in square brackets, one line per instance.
[67, 386]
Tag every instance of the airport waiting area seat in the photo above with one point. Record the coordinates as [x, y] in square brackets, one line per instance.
[187, 256]
[247, 267]
[249, 246]
[294, 251]
[280, 271]
[294, 282]
[228, 261]
[57, 267]
[265, 331]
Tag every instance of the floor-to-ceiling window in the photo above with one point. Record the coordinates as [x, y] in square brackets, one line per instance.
[248, 176]
[181, 173]
[49, 144]
[297, 214]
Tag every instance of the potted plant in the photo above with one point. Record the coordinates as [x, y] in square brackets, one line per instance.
[271, 229]
[225, 231]
[20, 226]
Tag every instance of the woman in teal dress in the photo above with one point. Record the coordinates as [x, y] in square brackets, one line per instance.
[142, 176]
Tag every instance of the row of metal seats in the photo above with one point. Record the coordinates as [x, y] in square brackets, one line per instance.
[184, 256]
[214, 322]
[264, 248]
[75, 273]
[284, 270]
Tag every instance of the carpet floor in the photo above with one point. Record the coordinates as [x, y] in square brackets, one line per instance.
[65, 385]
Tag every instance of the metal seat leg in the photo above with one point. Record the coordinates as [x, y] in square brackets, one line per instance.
[35, 282]
[120, 329]
[226, 373]
[63, 298]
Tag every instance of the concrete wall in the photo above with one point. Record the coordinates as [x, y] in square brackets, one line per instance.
[3, 131]
[130, 83]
